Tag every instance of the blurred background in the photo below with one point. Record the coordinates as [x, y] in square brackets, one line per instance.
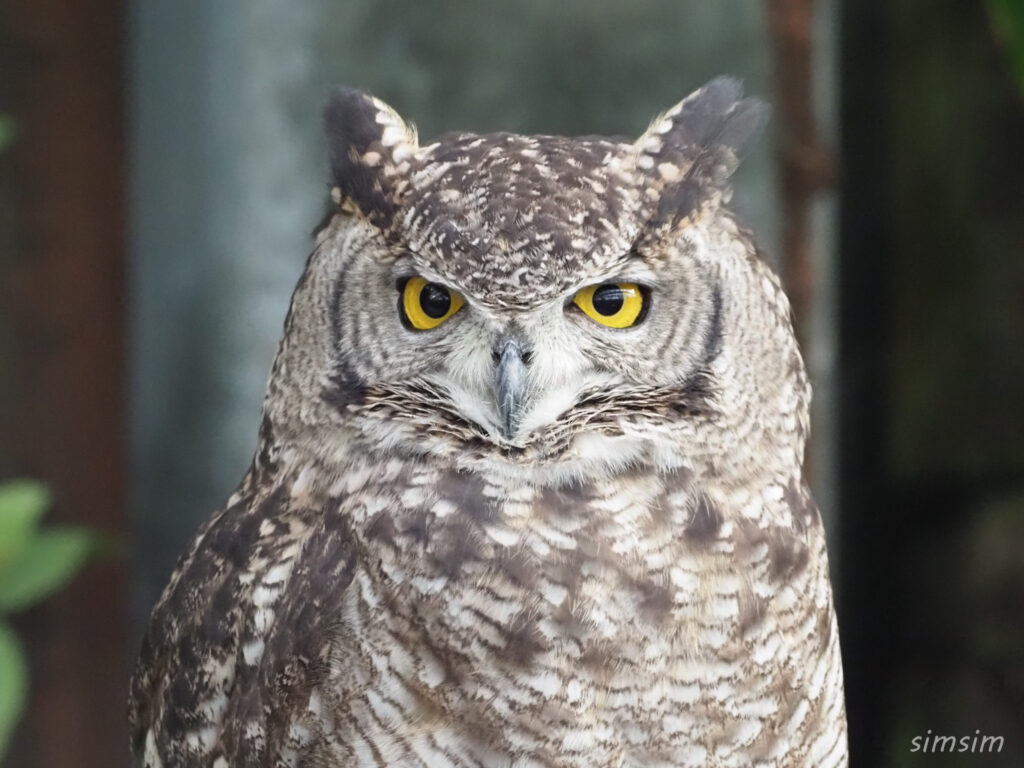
[161, 170]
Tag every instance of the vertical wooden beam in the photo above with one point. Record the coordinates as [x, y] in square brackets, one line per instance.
[63, 295]
[805, 165]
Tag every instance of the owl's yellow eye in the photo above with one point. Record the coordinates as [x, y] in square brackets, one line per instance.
[616, 305]
[427, 305]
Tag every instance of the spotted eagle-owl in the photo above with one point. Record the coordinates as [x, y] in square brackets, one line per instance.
[528, 489]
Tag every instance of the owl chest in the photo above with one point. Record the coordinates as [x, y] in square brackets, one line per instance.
[535, 619]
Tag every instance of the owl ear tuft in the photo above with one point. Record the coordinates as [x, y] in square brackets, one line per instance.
[693, 148]
[370, 146]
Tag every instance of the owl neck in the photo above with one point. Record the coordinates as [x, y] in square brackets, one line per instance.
[762, 394]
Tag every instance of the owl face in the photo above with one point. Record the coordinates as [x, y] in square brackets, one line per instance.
[515, 359]
[526, 297]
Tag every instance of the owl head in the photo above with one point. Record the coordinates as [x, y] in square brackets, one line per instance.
[566, 304]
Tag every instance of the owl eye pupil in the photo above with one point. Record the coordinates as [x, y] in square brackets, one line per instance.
[608, 299]
[435, 300]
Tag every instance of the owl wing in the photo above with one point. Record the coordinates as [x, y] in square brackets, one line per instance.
[240, 638]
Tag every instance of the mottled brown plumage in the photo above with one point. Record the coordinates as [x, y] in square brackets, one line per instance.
[519, 538]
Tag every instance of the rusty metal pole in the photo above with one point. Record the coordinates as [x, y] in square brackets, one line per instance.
[805, 165]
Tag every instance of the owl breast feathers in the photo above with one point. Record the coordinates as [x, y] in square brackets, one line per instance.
[528, 489]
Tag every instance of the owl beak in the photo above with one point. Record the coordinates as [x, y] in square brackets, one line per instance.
[510, 384]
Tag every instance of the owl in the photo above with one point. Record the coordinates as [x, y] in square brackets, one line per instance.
[528, 488]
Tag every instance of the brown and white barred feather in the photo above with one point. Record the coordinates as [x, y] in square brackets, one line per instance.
[640, 582]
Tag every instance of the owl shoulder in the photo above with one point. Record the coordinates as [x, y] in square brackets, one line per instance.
[241, 635]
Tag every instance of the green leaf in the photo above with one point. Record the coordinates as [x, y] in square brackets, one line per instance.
[1008, 20]
[13, 684]
[7, 132]
[22, 504]
[44, 565]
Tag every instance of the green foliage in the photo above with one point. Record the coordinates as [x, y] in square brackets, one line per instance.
[35, 562]
[22, 504]
[7, 132]
[13, 684]
[46, 563]
[1008, 19]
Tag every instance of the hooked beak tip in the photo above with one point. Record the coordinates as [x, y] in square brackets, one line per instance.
[510, 383]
